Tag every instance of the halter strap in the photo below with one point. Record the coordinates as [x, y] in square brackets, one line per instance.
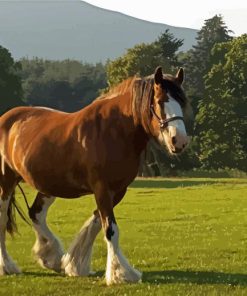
[164, 122]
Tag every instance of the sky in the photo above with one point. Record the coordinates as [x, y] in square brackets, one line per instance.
[181, 13]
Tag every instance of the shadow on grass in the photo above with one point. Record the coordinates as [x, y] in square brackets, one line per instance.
[41, 274]
[172, 277]
[53, 274]
[194, 277]
[171, 183]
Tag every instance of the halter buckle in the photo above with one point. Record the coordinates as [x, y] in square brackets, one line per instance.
[163, 124]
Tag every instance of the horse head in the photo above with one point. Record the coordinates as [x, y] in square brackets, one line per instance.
[167, 111]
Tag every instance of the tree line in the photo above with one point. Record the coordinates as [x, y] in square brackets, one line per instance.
[216, 70]
[65, 85]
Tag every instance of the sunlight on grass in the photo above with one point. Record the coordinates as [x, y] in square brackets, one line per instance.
[187, 236]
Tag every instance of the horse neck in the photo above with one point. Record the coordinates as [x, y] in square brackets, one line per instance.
[116, 110]
[134, 128]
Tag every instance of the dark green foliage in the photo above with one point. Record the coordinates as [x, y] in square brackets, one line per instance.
[216, 83]
[216, 77]
[221, 121]
[168, 46]
[143, 58]
[198, 61]
[65, 85]
[10, 81]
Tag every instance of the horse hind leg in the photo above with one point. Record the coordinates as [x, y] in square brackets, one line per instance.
[7, 186]
[47, 248]
[77, 261]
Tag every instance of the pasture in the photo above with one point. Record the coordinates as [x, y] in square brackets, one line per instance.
[187, 236]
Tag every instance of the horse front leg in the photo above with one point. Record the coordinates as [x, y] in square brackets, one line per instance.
[77, 261]
[118, 269]
[47, 248]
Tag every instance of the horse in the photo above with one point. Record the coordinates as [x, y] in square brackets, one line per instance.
[95, 150]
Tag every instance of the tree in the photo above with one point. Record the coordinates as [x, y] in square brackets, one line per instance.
[198, 60]
[169, 46]
[143, 58]
[221, 121]
[65, 85]
[10, 81]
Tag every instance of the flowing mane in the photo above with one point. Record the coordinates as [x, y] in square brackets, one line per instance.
[119, 89]
[141, 90]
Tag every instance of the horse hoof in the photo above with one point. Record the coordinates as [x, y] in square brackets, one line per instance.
[8, 268]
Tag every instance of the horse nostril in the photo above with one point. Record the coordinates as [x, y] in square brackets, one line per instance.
[174, 141]
[183, 145]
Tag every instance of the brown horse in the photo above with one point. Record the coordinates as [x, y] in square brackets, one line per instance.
[95, 150]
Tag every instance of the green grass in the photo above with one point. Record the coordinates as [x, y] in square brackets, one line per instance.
[187, 236]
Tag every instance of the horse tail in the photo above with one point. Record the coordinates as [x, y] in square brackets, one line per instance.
[14, 206]
[11, 224]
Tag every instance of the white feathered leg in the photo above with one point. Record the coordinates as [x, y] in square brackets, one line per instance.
[118, 269]
[47, 248]
[7, 266]
[77, 261]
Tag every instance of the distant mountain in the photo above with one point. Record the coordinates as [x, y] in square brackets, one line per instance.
[75, 29]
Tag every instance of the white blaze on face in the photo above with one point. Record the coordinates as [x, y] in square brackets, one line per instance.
[174, 136]
[172, 109]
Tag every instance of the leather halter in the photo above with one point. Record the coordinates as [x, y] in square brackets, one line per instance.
[164, 122]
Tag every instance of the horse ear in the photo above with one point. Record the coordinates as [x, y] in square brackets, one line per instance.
[158, 75]
[180, 76]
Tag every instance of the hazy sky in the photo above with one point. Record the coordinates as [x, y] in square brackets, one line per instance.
[182, 13]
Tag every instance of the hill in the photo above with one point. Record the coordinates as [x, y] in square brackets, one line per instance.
[75, 29]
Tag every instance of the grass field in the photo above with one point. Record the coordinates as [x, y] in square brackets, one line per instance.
[187, 236]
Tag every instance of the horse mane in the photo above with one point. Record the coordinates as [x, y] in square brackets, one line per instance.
[119, 89]
[142, 93]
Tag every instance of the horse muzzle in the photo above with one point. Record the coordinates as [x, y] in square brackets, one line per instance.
[179, 142]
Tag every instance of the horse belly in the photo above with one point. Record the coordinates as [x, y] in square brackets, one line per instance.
[55, 174]
[57, 185]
